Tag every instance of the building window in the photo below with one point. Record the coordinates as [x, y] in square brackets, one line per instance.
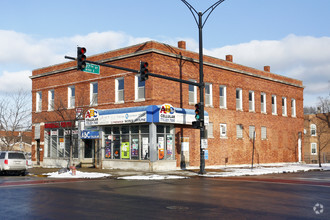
[51, 100]
[239, 131]
[263, 133]
[39, 102]
[263, 102]
[284, 110]
[208, 94]
[139, 88]
[93, 93]
[119, 85]
[252, 132]
[251, 101]
[209, 130]
[313, 130]
[223, 97]
[239, 105]
[71, 96]
[293, 107]
[223, 130]
[313, 149]
[192, 93]
[274, 108]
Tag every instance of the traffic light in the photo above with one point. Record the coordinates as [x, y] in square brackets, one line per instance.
[143, 71]
[197, 124]
[81, 58]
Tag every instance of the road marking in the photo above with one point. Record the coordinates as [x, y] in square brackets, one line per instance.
[38, 182]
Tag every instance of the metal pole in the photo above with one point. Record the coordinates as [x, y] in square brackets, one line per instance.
[201, 92]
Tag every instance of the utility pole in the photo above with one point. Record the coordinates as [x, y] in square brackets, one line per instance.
[201, 86]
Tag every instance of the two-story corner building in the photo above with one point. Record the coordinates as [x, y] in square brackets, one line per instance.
[113, 120]
[317, 138]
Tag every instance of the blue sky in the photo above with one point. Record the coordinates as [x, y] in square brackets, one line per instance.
[291, 36]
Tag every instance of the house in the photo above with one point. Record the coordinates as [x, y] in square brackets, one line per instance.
[112, 119]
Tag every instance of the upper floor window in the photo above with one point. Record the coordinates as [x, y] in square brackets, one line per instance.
[192, 93]
[313, 130]
[293, 107]
[209, 130]
[251, 101]
[239, 131]
[284, 110]
[313, 149]
[208, 94]
[239, 105]
[252, 132]
[223, 130]
[94, 93]
[263, 133]
[274, 108]
[39, 102]
[139, 88]
[51, 100]
[71, 96]
[119, 85]
[263, 102]
[223, 97]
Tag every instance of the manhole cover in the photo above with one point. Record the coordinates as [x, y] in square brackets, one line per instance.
[177, 207]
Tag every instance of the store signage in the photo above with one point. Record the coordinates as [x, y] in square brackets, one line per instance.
[123, 118]
[87, 134]
[91, 117]
[167, 113]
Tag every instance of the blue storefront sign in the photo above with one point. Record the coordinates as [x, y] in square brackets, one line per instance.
[87, 134]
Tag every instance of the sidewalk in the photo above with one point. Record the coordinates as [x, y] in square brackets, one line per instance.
[210, 172]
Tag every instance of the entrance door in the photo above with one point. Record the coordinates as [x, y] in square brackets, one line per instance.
[38, 152]
[89, 148]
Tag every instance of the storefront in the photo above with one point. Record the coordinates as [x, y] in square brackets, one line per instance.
[138, 137]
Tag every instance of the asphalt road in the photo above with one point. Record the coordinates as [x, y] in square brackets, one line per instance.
[285, 196]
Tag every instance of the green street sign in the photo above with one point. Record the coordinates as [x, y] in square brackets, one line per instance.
[92, 68]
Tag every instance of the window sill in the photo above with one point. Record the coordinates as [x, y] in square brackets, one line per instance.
[223, 137]
[223, 108]
[252, 111]
[139, 100]
[121, 102]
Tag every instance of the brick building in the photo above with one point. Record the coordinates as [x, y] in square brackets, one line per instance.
[115, 121]
[317, 138]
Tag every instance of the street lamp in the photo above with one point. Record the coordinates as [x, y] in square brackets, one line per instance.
[201, 86]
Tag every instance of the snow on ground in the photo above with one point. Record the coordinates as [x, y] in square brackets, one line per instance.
[262, 170]
[86, 175]
[152, 177]
[227, 172]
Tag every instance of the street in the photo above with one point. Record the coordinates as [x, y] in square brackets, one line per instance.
[281, 196]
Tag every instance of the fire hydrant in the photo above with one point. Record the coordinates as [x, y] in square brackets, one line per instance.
[73, 170]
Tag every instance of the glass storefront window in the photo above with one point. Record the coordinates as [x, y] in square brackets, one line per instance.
[165, 143]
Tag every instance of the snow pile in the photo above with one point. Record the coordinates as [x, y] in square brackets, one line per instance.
[289, 168]
[152, 177]
[86, 175]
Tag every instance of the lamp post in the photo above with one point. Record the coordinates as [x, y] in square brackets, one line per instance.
[201, 86]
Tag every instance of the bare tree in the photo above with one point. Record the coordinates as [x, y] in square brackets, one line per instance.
[15, 118]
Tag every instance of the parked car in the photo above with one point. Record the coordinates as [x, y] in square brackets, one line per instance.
[13, 162]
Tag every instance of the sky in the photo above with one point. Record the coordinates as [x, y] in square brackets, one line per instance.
[290, 36]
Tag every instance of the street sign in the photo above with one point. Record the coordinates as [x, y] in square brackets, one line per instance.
[204, 143]
[92, 68]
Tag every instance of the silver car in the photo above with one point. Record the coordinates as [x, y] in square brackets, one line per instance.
[13, 162]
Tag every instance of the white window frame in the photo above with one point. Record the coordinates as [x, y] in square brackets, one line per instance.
[39, 101]
[293, 108]
[223, 99]
[274, 105]
[223, 130]
[284, 107]
[239, 131]
[263, 102]
[51, 97]
[251, 102]
[192, 93]
[252, 129]
[93, 96]
[208, 96]
[139, 90]
[313, 128]
[71, 98]
[263, 133]
[313, 146]
[119, 91]
[239, 100]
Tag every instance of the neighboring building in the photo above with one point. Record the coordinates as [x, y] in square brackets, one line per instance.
[317, 137]
[147, 125]
[16, 140]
